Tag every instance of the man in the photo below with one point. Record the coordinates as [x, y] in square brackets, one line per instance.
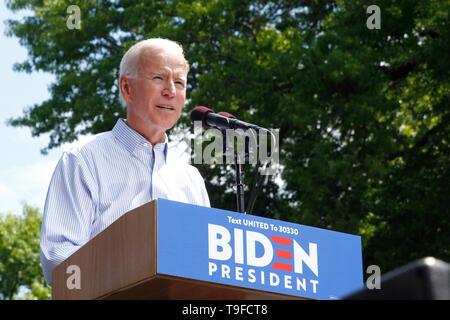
[127, 167]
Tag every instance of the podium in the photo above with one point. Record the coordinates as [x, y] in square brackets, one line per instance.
[171, 250]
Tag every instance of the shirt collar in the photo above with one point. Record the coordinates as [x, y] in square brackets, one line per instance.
[133, 141]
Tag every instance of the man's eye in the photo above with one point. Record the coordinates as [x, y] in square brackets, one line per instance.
[181, 83]
[157, 77]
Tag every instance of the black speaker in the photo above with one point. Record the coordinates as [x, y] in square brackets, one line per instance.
[424, 279]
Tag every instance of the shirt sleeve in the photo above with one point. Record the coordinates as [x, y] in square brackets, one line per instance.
[68, 212]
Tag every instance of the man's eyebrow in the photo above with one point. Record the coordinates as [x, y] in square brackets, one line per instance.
[159, 73]
[162, 73]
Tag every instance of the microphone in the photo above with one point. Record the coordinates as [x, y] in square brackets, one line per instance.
[221, 120]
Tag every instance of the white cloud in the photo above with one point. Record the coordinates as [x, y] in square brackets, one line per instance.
[25, 184]
[28, 181]
[5, 191]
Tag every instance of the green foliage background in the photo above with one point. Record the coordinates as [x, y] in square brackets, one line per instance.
[20, 264]
[363, 114]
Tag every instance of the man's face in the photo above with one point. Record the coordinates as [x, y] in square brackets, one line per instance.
[158, 93]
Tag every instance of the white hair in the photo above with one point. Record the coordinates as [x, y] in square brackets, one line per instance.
[129, 64]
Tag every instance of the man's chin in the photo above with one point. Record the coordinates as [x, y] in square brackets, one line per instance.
[165, 126]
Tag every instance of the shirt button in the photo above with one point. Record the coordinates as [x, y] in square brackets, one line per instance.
[145, 144]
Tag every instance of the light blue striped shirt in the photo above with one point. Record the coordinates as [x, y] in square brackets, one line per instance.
[94, 185]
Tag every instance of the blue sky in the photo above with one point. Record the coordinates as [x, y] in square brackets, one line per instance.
[24, 172]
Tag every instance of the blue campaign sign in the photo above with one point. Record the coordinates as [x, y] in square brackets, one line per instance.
[253, 252]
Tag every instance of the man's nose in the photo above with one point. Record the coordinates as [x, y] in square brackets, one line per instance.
[169, 89]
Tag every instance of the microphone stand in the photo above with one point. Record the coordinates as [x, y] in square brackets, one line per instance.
[254, 190]
[239, 185]
[240, 204]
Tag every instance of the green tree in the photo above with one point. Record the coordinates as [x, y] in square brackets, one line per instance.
[20, 264]
[363, 114]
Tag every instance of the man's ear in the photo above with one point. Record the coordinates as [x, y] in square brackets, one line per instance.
[125, 88]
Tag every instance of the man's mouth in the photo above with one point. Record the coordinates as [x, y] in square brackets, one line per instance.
[165, 107]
